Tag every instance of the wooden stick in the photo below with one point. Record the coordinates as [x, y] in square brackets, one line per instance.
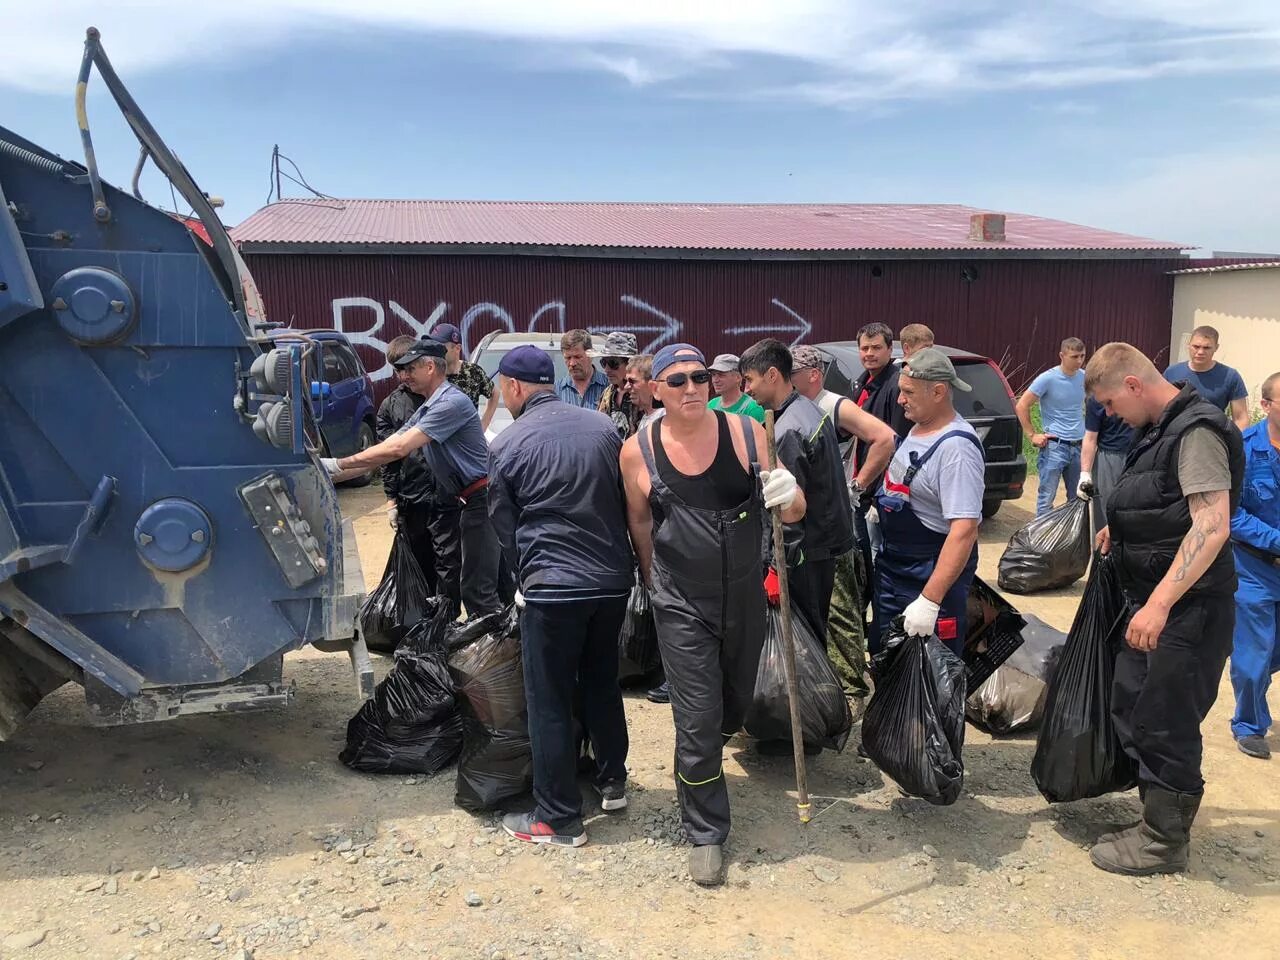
[788, 637]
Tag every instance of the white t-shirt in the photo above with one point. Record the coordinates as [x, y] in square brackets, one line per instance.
[950, 485]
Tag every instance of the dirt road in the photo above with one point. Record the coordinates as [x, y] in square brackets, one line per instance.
[242, 836]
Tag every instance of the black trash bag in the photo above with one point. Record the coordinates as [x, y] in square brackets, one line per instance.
[411, 724]
[1051, 551]
[1013, 698]
[399, 600]
[913, 729]
[1078, 754]
[825, 719]
[488, 671]
[638, 654]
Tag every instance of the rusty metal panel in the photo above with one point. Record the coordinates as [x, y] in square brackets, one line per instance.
[1016, 311]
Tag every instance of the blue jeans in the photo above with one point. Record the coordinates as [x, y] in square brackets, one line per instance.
[1058, 461]
[571, 659]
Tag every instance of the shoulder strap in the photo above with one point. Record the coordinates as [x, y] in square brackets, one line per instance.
[646, 450]
[919, 460]
[749, 438]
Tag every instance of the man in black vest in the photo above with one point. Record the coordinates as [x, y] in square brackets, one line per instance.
[1169, 523]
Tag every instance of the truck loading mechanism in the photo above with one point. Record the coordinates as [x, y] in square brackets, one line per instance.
[166, 531]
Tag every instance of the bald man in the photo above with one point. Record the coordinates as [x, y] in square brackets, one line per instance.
[1168, 526]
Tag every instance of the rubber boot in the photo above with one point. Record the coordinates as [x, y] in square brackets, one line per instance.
[1129, 828]
[1162, 842]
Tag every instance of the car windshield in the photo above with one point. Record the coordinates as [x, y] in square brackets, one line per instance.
[989, 398]
[490, 357]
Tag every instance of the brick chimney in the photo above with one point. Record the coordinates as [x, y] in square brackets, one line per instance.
[988, 227]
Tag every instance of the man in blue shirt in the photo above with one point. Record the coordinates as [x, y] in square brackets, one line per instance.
[1216, 382]
[1060, 393]
[1255, 535]
[447, 430]
[556, 503]
[585, 385]
[1107, 440]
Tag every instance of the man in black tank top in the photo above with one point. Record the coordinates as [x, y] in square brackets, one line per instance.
[696, 514]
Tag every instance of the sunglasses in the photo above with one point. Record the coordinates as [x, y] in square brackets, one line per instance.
[635, 381]
[613, 363]
[678, 380]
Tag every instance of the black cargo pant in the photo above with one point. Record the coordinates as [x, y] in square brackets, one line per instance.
[571, 662]
[415, 521]
[467, 555]
[1159, 699]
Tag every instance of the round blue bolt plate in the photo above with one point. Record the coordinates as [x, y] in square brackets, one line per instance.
[94, 305]
[173, 534]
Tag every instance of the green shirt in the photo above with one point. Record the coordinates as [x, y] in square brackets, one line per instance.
[744, 405]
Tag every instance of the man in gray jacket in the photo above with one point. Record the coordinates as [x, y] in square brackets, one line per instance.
[555, 500]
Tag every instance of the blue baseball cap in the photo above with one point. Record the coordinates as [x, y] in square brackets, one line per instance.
[528, 364]
[674, 353]
[446, 333]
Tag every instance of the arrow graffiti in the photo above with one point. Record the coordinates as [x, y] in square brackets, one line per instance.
[666, 331]
[801, 328]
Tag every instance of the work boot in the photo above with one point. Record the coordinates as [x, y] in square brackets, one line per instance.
[706, 865]
[1128, 828]
[1162, 842]
[1255, 747]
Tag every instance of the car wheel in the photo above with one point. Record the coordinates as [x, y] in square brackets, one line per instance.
[990, 508]
[365, 439]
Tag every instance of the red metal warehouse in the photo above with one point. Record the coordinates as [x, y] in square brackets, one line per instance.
[1009, 286]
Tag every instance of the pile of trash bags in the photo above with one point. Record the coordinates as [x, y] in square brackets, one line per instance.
[638, 655]
[1078, 754]
[411, 724]
[913, 729]
[825, 719]
[1050, 552]
[398, 602]
[1013, 698]
[456, 692]
[488, 672]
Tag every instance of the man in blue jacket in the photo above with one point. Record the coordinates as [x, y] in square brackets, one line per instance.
[555, 499]
[1255, 535]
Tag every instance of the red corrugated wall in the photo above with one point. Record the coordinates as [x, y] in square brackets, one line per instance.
[1016, 311]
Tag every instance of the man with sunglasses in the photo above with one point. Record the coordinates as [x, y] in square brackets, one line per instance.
[446, 428]
[696, 513]
[808, 445]
[615, 403]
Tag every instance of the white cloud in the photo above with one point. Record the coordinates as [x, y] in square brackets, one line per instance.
[849, 52]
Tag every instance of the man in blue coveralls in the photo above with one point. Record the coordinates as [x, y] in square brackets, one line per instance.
[1255, 535]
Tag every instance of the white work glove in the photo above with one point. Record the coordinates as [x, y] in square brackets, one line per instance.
[1084, 489]
[330, 465]
[519, 600]
[393, 517]
[920, 618]
[779, 487]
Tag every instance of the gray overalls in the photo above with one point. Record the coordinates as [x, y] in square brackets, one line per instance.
[709, 607]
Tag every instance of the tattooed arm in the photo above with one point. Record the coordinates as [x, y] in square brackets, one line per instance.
[1210, 530]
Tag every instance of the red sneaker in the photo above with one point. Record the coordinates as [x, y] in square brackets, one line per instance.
[524, 827]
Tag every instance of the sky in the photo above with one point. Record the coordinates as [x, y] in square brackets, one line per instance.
[1154, 117]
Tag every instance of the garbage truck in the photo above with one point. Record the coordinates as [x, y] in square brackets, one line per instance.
[167, 533]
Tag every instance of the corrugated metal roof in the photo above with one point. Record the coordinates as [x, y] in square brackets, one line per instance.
[1224, 267]
[662, 226]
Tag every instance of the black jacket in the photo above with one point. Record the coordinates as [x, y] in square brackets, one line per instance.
[1147, 511]
[556, 503]
[408, 480]
[808, 447]
[881, 402]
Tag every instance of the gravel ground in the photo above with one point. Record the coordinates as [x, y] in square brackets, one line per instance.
[242, 836]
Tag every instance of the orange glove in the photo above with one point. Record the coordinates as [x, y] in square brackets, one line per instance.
[772, 589]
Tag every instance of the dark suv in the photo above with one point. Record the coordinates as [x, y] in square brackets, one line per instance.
[989, 408]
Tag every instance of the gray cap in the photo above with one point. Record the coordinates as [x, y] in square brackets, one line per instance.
[932, 364]
[726, 363]
[619, 344]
